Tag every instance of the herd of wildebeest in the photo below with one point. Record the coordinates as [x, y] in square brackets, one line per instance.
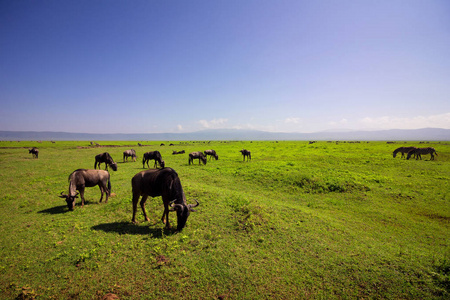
[162, 181]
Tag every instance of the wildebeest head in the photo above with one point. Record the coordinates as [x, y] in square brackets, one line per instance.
[183, 212]
[163, 164]
[113, 166]
[69, 199]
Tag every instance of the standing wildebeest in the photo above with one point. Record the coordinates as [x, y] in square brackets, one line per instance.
[34, 151]
[128, 153]
[197, 155]
[246, 153]
[107, 159]
[155, 155]
[403, 151]
[419, 151]
[82, 178]
[211, 153]
[161, 182]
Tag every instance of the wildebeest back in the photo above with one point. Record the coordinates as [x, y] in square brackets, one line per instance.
[156, 182]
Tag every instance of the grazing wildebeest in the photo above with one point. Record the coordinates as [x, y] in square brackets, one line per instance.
[211, 154]
[34, 151]
[107, 159]
[128, 153]
[178, 152]
[81, 179]
[155, 155]
[403, 151]
[419, 151]
[246, 153]
[161, 182]
[197, 155]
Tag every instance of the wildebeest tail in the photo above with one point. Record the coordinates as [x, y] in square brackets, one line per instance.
[109, 185]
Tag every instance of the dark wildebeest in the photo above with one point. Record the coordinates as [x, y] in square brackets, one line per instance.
[246, 153]
[107, 159]
[197, 155]
[178, 152]
[128, 153]
[82, 178]
[403, 151]
[166, 183]
[34, 151]
[155, 155]
[211, 154]
[419, 151]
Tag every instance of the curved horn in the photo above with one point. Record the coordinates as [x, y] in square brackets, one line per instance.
[62, 195]
[177, 207]
[190, 206]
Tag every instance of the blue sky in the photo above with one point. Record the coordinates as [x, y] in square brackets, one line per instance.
[180, 66]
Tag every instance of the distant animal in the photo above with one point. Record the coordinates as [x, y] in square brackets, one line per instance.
[419, 151]
[81, 179]
[403, 151]
[162, 144]
[106, 159]
[211, 154]
[166, 183]
[128, 153]
[155, 155]
[197, 155]
[34, 151]
[178, 152]
[246, 153]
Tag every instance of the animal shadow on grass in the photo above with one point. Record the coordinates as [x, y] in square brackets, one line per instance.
[130, 228]
[62, 209]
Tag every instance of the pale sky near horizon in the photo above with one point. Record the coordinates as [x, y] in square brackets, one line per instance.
[181, 66]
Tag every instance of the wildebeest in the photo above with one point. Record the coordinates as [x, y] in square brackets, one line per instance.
[178, 152]
[211, 154]
[34, 151]
[402, 150]
[82, 178]
[166, 183]
[419, 151]
[128, 153]
[107, 159]
[155, 155]
[246, 153]
[197, 155]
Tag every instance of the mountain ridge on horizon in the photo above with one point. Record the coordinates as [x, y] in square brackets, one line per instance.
[428, 134]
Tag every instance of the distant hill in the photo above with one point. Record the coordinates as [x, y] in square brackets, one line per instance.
[425, 134]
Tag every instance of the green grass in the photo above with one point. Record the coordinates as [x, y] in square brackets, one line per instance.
[304, 221]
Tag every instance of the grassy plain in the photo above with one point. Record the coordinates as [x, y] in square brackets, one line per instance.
[302, 221]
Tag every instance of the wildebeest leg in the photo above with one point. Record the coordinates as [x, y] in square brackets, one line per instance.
[135, 201]
[102, 190]
[144, 198]
[81, 189]
[165, 216]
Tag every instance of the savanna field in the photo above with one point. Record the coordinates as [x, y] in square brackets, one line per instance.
[299, 221]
